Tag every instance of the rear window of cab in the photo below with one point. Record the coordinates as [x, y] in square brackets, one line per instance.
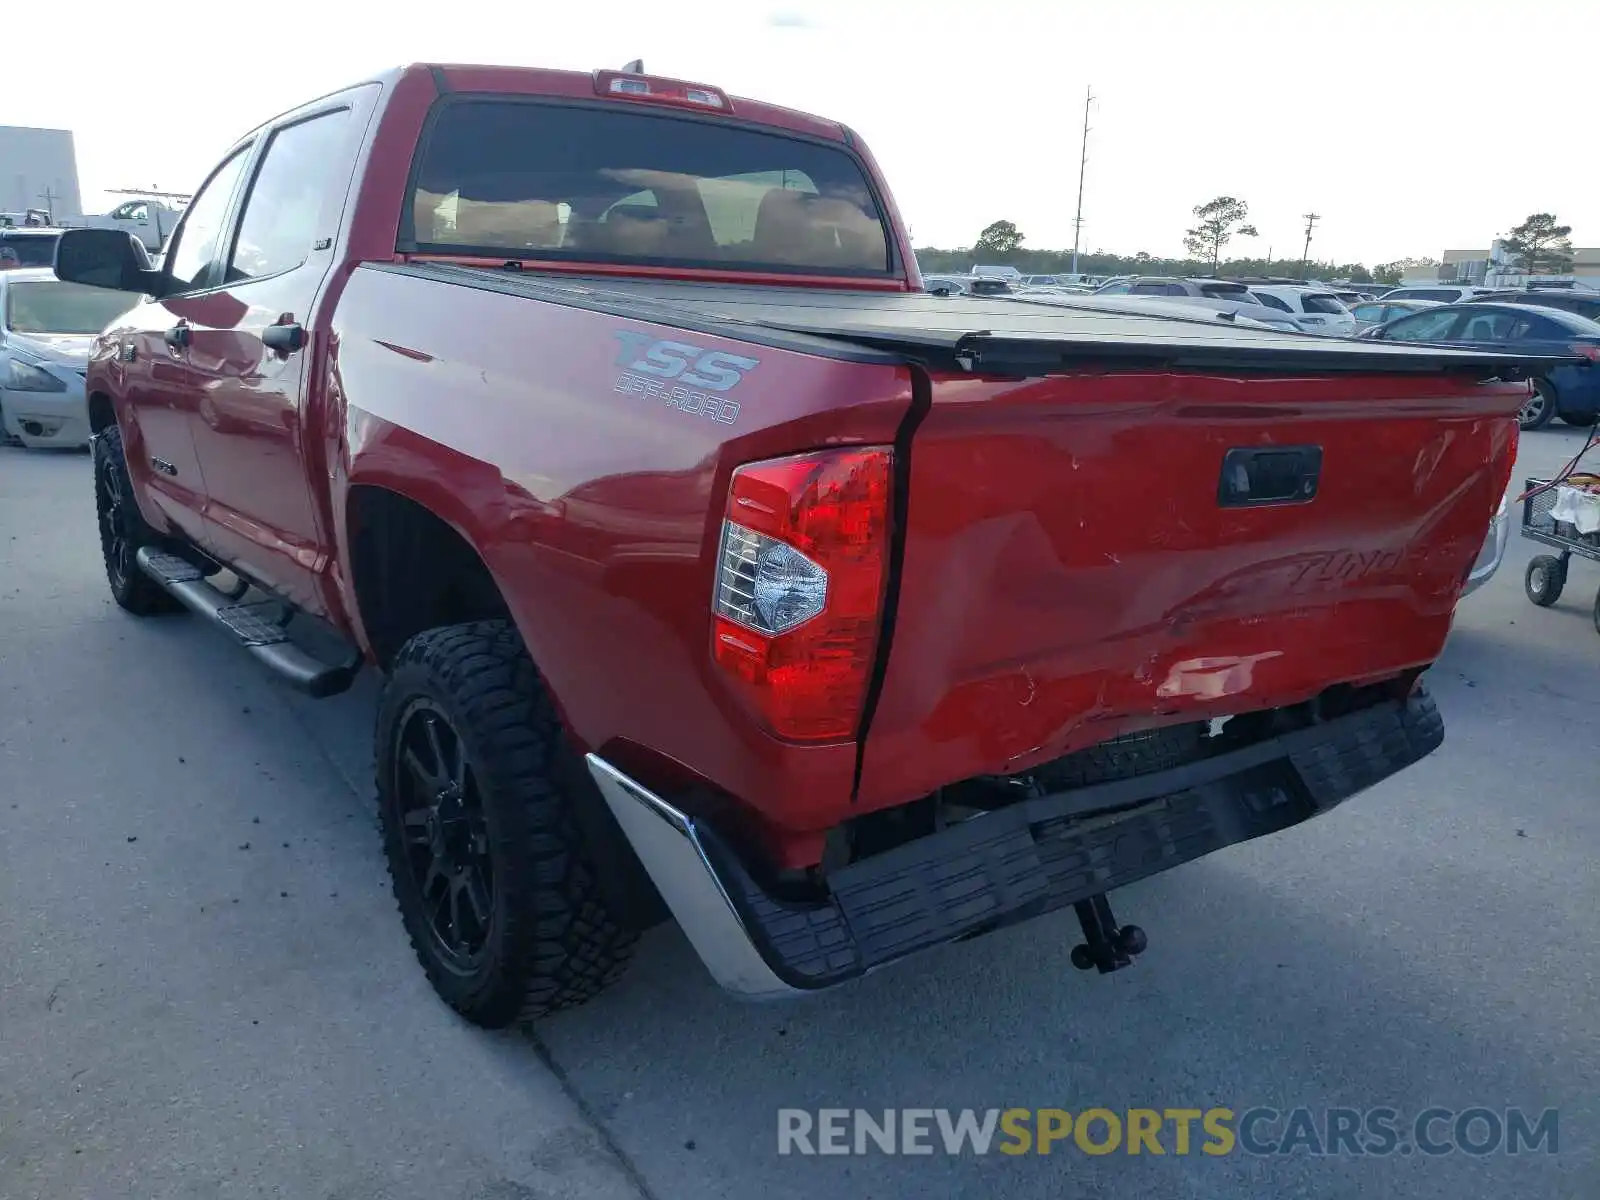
[514, 178]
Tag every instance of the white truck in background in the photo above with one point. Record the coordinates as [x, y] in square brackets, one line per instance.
[150, 220]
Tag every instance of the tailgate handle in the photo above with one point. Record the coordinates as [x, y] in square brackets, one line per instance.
[1255, 475]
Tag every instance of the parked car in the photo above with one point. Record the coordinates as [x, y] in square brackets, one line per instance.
[1187, 309]
[46, 329]
[1166, 285]
[1209, 293]
[627, 555]
[1443, 293]
[1313, 309]
[27, 246]
[1379, 312]
[1570, 390]
[1584, 304]
[967, 285]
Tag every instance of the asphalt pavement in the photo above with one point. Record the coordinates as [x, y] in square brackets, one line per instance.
[205, 990]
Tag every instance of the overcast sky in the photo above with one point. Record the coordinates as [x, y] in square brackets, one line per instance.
[1409, 125]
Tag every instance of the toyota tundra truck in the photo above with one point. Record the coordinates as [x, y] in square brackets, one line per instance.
[716, 572]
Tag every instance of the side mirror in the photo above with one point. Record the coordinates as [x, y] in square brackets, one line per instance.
[105, 258]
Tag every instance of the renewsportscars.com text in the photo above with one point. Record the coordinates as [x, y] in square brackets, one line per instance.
[1214, 1131]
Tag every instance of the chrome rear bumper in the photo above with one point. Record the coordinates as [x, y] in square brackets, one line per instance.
[1034, 856]
[1494, 549]
[669, 845]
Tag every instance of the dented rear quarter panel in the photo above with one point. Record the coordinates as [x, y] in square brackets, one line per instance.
[594, 492]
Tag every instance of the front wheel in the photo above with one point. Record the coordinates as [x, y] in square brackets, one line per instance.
[1540, 408]
[1545, 577]
[479, 797]
[123, 531]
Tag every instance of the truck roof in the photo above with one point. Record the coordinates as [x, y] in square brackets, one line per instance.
[575, 85]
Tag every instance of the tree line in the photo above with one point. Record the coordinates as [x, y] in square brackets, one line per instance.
[1540, 244]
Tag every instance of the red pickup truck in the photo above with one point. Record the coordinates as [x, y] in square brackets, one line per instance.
[716, 570]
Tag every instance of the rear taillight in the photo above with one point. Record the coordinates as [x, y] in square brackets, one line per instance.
[799, 589]
[1587, 350]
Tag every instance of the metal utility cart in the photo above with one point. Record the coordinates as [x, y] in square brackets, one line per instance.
[1546, 519]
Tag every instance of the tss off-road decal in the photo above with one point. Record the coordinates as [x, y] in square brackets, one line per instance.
[684, 377]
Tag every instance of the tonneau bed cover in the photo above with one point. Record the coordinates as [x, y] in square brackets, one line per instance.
[992, 335]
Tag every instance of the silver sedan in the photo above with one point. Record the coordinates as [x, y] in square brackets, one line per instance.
[46, 329]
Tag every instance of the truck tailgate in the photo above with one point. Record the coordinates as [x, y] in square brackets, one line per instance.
[1083, 556]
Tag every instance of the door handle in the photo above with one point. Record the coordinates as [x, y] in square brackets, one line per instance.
[179, 336]
[285, 339]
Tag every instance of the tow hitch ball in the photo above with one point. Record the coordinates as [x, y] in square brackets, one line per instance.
[1105, 946]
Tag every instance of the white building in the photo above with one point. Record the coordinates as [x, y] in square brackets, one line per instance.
[38, 169]
[1493, 268]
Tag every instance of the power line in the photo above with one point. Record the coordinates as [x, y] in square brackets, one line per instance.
[1305, 257]
[1083, 164]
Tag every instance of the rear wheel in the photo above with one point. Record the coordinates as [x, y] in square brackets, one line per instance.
[123, 530]
[1545, 577]
[1540, 407]
[479, 797]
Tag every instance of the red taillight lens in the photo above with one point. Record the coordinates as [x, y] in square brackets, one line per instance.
[799, 588]
[1587, 349]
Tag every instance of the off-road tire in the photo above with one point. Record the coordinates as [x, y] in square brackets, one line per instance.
[552, 941]
[131, 588]
[1544, 579]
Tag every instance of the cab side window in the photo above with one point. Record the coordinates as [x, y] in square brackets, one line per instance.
[287, 198]
[191, 263]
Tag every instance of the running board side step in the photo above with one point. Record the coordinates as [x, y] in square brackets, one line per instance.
[261, 628]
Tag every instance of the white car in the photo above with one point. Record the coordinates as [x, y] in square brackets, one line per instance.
[46, 330]
[1214, 295]
[1313, 309]
[1442, 293]
[1179, 307]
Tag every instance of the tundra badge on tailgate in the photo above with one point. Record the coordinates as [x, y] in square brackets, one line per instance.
[678, 372]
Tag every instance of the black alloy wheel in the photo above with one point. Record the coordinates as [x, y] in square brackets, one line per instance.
[446, 834]
[116, 539]
[123, 531]
[488, 817]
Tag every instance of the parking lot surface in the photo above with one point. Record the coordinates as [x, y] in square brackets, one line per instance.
[205, 990]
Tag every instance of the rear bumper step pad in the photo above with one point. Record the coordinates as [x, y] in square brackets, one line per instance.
[1034, 857]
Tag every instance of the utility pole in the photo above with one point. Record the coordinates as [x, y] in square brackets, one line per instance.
[1305, 258]
[49, 197]
[1083, 163]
